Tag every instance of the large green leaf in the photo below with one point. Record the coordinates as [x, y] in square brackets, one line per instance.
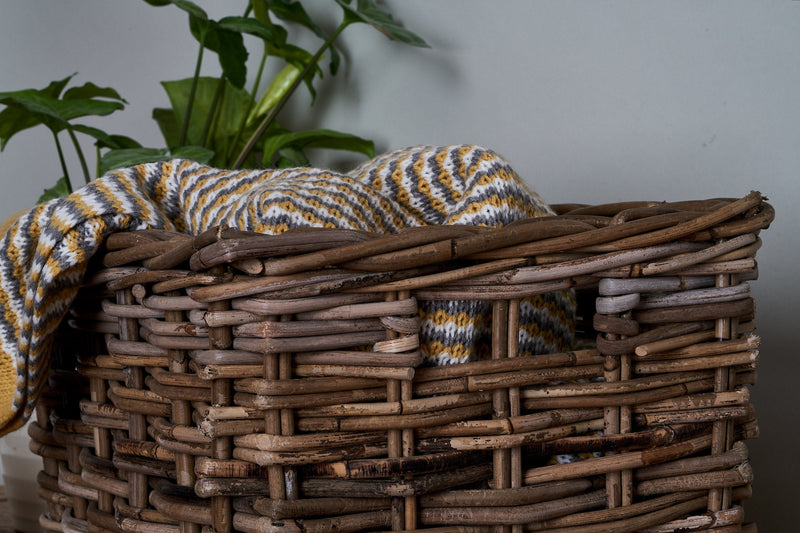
[274, 39]
[59, 112]
[178, 92]
[231, 111]
[321, 138]
[90, 90]
[30, 107]
[61, 188]
[261, 11]
[278, 47]
[249, 26]
[16, 118]
[292, 11]
[135, 156]
[190, 7]
[38, 104]
[129, 157]
[120, 142]
[289, 157]
[106, 140]
[293, 54]
[234, 105]
[261, 14]
[54, 88]
[102, 137]
[70, 109]
[228, 45]
[193, 153]
[368, 12]
[168, 124]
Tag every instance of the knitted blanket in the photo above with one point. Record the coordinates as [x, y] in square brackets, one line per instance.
[45, 251]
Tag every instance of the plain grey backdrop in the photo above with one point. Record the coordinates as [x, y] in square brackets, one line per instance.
[591, 102]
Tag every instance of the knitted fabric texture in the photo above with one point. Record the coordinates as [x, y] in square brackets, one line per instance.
[46, 250]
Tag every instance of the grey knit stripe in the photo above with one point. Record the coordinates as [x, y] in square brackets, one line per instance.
[448, 195]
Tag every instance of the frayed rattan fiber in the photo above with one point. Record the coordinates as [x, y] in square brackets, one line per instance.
[219, 382]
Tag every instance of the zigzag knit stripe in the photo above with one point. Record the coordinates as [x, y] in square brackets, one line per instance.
[273, 202]
[163, 182]
[429, 195]
[454, 332]
[396, 175]
[547, 323]
[204, 191]
[493, 202]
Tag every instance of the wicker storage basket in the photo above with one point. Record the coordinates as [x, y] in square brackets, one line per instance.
[219, 382]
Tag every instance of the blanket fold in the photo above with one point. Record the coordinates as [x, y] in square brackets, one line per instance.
[46, 250]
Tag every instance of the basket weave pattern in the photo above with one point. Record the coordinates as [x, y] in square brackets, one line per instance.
[240, 382]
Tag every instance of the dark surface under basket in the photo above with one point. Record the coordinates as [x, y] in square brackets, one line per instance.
[221, 382]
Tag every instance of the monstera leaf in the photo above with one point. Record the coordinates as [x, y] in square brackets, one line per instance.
[28, 108]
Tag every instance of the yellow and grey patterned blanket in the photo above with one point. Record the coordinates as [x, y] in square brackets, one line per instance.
[45, 252]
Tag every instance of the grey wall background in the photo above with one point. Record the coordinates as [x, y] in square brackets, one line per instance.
[592, 102]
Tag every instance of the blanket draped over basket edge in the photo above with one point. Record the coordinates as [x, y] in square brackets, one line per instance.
[46, 250]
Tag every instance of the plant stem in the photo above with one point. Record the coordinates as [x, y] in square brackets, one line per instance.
[250, 104]
[62, 161]
[81, 158]
[218, 111]
[251, 143]
[213, 111]
[192, 91]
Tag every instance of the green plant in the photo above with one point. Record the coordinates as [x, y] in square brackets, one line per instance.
[211, 120]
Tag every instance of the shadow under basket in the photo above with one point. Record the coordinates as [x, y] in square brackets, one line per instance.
[240, 382]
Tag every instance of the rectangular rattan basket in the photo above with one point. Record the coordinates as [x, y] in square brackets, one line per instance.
[220, 382]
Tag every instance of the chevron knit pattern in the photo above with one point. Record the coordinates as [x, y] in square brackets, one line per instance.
[46, 251]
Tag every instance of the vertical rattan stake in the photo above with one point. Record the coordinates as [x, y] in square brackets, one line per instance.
[272, 418]
[395, 436]
[514, 408]
[612, 373]
[182, 416]
[287, 421]
[722, 432]
[625, 426]
[500, 404]
[221, 338]
[102, 441]
[137, 423]
[406, 393]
